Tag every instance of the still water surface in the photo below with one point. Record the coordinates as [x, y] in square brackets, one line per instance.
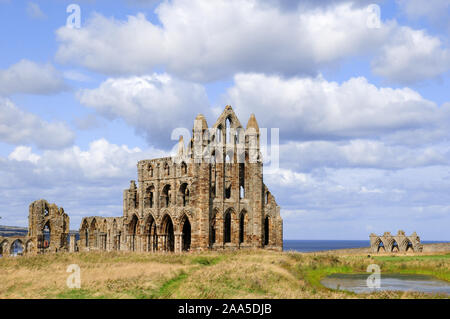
[403, 282]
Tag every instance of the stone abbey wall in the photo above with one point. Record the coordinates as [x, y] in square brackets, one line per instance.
[395, 243]
[211, 195]
[48, 230]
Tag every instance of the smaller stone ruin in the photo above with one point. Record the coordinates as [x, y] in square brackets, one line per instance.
[48, 231]
[395, 243]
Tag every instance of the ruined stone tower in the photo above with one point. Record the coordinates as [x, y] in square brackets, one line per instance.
[211, 195]
[48, 231]
[48, 227]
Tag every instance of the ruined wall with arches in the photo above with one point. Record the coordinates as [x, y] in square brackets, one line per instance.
[16, 246]
[48, 227]
[48, 231]
[395, 243]
[211, 195]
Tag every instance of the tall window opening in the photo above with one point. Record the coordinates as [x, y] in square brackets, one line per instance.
[266, 231]
[227, 228]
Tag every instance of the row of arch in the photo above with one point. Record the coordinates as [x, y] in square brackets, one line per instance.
[95, 233]
[138, 234]
[170, 234]
[167, 236]
[166, 197]
[391, 245]
[166, 169]
[15, 246]
[242, 222]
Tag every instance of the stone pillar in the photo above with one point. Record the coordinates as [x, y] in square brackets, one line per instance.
[235, 229]
[161, 242]
[178, 244]
[219, 229]
[143, 241]
[73, 243]
[141, 190]
[150, 243]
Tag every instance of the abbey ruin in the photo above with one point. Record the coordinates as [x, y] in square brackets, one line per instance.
[48, 231]
[210, 195]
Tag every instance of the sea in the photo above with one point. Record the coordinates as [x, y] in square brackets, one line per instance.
[320, 245]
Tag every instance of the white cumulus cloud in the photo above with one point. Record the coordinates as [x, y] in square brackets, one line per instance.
[20, 127]
[207, 40]
[32, 78]
[154, 105]
[412, 56]
[210, 40]
[314, 108]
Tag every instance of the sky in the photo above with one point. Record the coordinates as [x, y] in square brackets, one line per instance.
[358, 90]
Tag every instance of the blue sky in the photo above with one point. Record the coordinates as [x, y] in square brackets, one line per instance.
[362, 105]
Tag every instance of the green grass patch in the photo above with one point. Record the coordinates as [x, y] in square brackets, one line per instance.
[411, 258]
[78, 294]
[314, 276]
[206, 260]
[170, 286]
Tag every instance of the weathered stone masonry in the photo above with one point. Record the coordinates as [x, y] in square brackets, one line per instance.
[48, 230]
[211, 195]
[204, 198]
[395, 243]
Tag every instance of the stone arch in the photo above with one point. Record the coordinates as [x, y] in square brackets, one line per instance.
[167, 233]
[213, 227]
[133, 231]
[227, 191]
[184, 194]
[149, 197]
[41, 215]
[84, 233]
[394, 246]
[406, 245]
[183, 168]
[379, 245]
[243, 224]
[186, 231]
[46, 235]
[228, 217]
[151, 233]
[93, 229]
[166, 169]
[4, 247]
[228, 126]
[16, 247]
[166, 195]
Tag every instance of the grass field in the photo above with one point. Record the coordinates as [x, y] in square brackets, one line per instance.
[241, 274]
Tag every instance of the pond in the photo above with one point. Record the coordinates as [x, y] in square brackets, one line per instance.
[403, 282]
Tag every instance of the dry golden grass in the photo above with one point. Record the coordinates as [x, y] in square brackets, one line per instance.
[241, 274]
